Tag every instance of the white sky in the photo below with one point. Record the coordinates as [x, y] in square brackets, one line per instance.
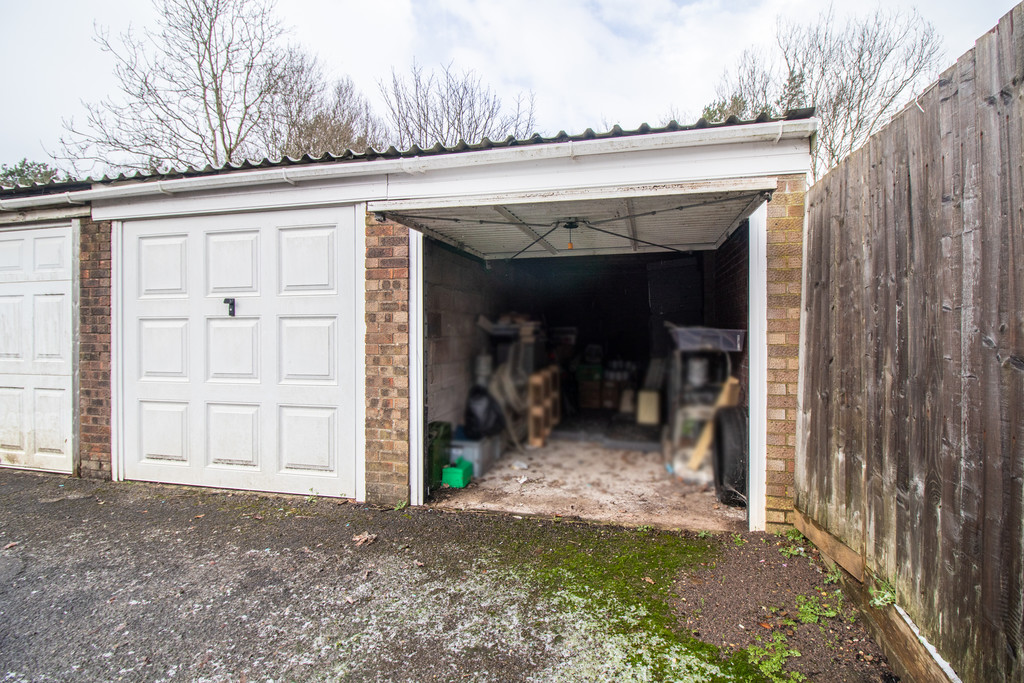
[589, 62]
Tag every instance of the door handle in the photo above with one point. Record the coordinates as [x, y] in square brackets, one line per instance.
[231, 307]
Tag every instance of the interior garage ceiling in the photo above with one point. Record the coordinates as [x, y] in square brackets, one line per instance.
[619, 225]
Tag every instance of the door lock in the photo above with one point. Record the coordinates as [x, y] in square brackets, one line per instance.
[231, 307]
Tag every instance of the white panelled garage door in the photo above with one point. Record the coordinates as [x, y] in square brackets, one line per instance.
[264, 399]
[36, 362]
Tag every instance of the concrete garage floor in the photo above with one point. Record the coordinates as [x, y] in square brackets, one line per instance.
[592, 482]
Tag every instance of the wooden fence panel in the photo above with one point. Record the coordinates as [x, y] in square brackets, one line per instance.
[913, 403]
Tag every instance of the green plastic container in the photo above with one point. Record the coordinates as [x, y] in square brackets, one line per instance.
[457, 475]
[439, 437]
[589, 373]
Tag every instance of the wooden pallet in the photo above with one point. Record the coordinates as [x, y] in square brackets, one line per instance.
[544, 396]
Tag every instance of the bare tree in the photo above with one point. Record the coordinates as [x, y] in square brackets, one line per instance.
[197, 90]
[314, 118]
[856, 76]
[446, 106]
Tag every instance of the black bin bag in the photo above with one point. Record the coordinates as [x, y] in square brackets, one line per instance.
[483, 415]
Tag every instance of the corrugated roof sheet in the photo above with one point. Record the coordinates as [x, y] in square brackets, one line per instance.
[392, 153]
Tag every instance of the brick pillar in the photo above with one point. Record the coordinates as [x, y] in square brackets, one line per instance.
[785, 261]
[94, 392]
[387, 362]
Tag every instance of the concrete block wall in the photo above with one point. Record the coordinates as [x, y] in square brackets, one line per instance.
[785, 261]
[94, 394]
[387, 362]
[457, 290]
[731, 293]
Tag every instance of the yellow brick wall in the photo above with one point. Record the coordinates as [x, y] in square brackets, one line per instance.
[785, 259]
[387, 362]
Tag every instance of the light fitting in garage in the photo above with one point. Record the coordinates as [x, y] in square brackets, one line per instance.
[570, 225]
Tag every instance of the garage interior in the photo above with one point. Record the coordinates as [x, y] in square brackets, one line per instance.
[584, 293]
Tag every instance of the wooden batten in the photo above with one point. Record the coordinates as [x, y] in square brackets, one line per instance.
[829, 545]
[908, 657]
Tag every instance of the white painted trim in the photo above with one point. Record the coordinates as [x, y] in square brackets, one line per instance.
[416, 368]
[76, 341]
[801, 420]
[116, 352]
[711, 186]
[770, 132]
[936, 657]
[757, 343]
[359, 371]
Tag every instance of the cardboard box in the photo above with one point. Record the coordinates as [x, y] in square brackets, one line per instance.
[610, 393]
[648, 407]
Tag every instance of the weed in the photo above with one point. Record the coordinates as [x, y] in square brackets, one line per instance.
[882, 594]
[312, 496]
[792, 551]
[771, 659]
[737, 539]
[811, 609]
[402, 505]
[833, 575]
[796, 545]
[645, 528]
[704, 534]
[794, 535]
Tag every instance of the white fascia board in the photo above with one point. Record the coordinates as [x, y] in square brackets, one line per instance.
[550, 179]
[743, 185]
[242, 199]
[774, 133]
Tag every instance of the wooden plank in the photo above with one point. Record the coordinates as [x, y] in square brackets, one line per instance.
[34, 215]
[951, 278]
[992, 460]
[836, 472]
[929, 246]
[900, 537]
[808, 454]
[873, 291]
[846, 557]
[1012, 345]
[853, 316]
[907, 655]
[728, 396]
[882, 559]
[968, 567]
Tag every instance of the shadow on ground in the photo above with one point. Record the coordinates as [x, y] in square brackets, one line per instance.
[102, 581]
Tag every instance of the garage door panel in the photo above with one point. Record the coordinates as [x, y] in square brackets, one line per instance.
[306, 260]
[307, 348]
[50, 428]
[36, 365]
[308, 436]
[49, 327]
[164, 431]
[162, 266]
[163, 349]
[12, 329]
[50, 254]
[232, 262]
[233, 350]
[12, 261]
[13, 420]
[260, 403]
[35, 422]
[233, 435]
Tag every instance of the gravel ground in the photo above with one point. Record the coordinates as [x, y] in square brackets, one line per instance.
[102, 581]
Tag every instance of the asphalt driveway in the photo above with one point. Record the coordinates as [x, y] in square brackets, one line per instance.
[103, 581]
